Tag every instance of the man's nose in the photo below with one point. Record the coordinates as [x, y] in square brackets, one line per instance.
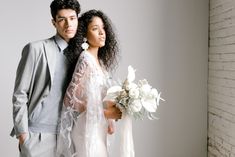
[68, 22]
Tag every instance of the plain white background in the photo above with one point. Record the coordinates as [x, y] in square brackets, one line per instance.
[165, 40]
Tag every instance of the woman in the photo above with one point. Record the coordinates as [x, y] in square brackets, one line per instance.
[84, 121]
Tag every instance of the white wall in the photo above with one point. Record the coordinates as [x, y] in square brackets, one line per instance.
[165, 40]
[221, 81]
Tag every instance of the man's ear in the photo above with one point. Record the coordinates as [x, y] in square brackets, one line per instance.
[53, 22]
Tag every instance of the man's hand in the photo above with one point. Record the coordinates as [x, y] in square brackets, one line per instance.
[22, 138]
[111, 111]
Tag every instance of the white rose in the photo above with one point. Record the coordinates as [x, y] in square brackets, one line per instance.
[134, 93]
[114, 89]
[113, 92]
[142, 82]
[130, 86]
[135, 105]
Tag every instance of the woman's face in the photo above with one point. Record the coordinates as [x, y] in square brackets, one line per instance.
[96, 33]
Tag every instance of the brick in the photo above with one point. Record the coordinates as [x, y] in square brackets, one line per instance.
[222, 65]
[222, 82]
[225, 32]
[219, 41]
[222, 7]
[222, 57]
[221, 17]
[221, 79]
[223, 74]
[222, 49]
[218, 3]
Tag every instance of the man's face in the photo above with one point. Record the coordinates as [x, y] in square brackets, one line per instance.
[66, 23]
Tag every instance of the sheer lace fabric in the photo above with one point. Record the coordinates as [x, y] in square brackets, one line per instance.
[83, 127]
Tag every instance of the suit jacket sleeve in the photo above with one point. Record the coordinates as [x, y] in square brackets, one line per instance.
[21, 95]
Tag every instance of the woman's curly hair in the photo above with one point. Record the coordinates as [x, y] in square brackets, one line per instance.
[106, 54]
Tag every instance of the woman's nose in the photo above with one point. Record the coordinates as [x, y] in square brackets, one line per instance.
[101, 32]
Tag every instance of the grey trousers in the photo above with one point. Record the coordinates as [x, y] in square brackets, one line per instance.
[39, 145]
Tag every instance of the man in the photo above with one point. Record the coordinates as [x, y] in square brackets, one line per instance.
[40, 83]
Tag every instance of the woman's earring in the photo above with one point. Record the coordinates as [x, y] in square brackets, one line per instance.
[85, 45]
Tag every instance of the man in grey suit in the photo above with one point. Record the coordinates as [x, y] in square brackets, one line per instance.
[40, 83]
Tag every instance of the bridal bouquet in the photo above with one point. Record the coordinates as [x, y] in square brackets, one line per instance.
[135, 99]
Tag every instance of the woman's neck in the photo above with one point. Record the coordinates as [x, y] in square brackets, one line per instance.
[94, 53]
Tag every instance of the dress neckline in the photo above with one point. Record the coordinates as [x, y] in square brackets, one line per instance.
[98, 66]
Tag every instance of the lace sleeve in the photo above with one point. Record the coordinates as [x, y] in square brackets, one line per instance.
[74, 103]
[83, 125]
[75, 96]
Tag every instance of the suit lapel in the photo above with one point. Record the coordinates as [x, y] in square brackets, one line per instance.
[50, 49]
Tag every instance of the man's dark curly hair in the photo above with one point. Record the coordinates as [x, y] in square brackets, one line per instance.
[57, 5]
[106, 54]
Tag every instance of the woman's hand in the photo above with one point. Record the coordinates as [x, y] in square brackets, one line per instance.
[111, 128]
[111, 111]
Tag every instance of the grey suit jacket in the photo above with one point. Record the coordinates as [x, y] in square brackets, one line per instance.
[33, 81]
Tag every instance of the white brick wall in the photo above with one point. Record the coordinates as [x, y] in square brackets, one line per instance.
[221, 79]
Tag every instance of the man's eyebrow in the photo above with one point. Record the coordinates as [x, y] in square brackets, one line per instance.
[67, 17]
[60, 17]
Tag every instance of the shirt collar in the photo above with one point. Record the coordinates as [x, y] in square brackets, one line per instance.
[61, 43]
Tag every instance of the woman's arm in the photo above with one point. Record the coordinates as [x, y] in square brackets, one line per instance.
[75, 95]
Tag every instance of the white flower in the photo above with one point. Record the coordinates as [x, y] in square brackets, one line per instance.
[130, 86]
[142, 82]
[137, 100]
[113, 92]
[131, 74]
[149, 105]
[135, 105]
[154, 92]
[134, 93]
[85, 46]
[145, 90]
[114, 89]
[158, 98]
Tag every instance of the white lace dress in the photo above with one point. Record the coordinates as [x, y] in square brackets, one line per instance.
[83, 128]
